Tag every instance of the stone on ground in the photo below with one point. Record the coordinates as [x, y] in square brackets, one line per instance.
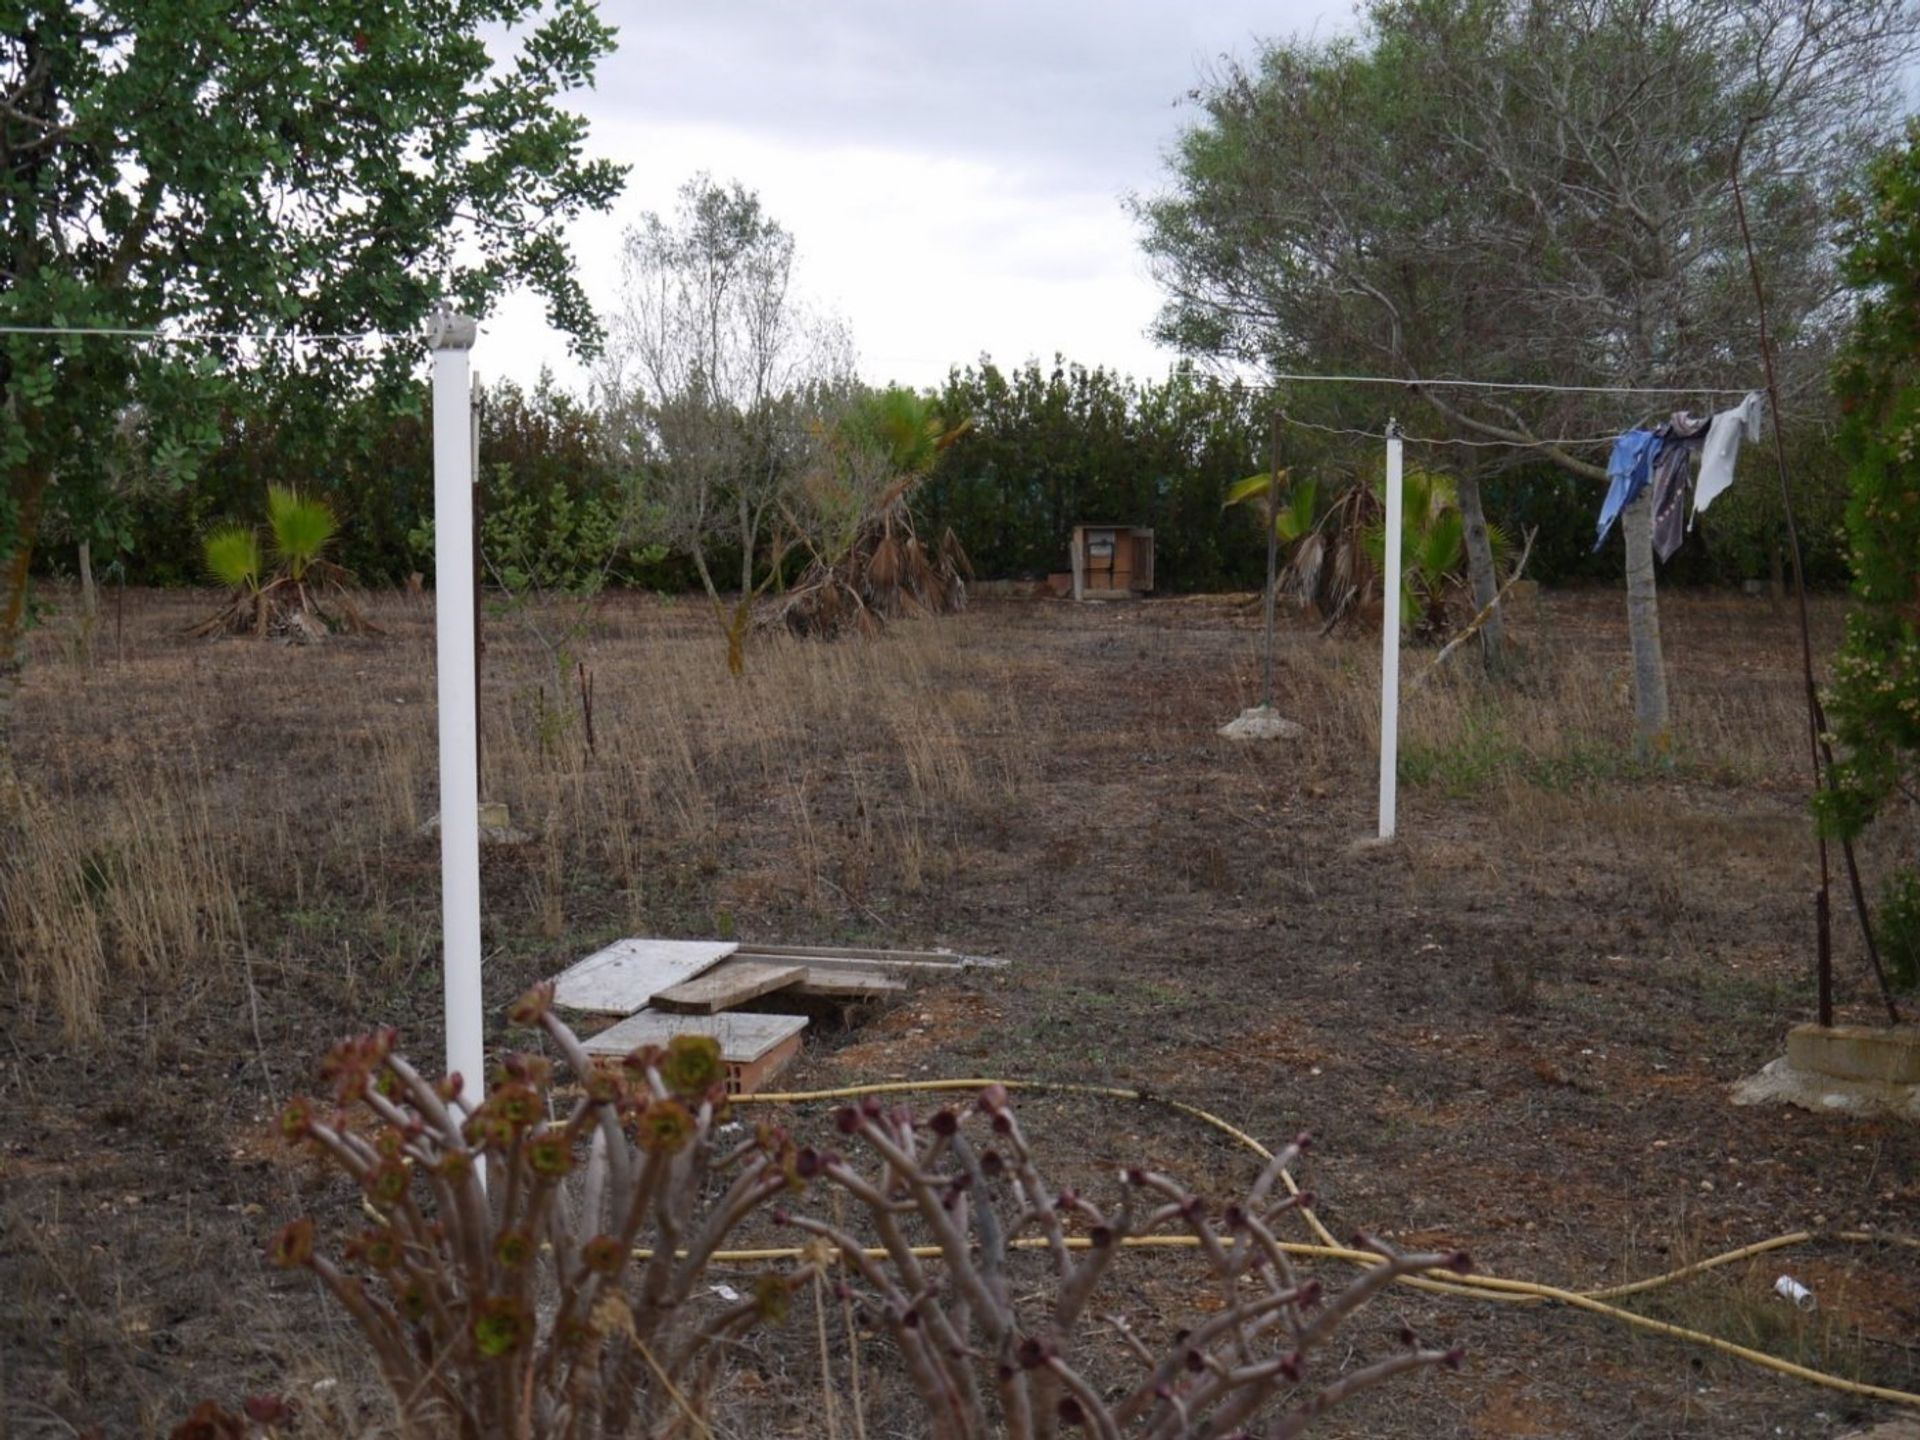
[1262, 722]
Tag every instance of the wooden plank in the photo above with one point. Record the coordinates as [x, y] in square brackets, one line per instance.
[743, 1036]
[724, 986]
[823, 982]
[853, 955]
[628, 973]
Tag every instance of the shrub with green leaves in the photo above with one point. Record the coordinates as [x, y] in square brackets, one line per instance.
[1873, 706]
[547, 539]
[538, 1264]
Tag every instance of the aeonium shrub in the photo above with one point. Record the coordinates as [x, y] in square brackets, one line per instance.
[536, 1265]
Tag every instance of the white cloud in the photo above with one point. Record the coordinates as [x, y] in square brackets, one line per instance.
[952, 173]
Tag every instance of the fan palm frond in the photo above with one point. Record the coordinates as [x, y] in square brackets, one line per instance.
[301, 527]
[232, 555]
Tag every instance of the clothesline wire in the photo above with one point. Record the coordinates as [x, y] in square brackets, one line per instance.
[1449, 440]
[1284, 378]
[1425, 384]
[189, 336]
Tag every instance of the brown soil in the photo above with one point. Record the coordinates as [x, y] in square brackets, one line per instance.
[1513, 1029]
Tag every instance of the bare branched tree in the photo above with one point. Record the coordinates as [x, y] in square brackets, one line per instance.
[1532, 192]
[707, 354]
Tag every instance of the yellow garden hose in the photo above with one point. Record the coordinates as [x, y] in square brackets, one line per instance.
[1478, 1286]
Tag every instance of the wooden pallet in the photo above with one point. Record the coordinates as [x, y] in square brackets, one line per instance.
[827, 982]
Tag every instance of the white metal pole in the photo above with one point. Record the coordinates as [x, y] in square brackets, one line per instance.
[451, 338]
[1390, 638]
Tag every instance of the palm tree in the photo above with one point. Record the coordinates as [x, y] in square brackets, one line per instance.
[1336, 553]
[871, 565]
[286, 602]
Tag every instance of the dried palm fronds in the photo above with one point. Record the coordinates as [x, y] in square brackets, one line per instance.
[887, 572]
[1335, 567]
[320, 603]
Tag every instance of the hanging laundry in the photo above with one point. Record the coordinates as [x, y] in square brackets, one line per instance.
[1634, 454]
[1723, 448]
[1680, 440]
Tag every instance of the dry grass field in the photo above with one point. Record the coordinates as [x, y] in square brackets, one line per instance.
[1512, 1030]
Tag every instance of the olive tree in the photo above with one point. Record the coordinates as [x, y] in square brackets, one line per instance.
[709, 361]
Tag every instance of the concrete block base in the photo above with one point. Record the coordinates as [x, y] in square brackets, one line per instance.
[1876, 1054]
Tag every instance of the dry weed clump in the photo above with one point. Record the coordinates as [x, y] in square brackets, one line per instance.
[866, 757]
[140, 882]
[537, 1264]
[1559, 719]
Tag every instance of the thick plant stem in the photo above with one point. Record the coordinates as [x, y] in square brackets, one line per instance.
[1651, 735]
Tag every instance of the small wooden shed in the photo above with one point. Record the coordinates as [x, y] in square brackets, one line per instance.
[1111, 561]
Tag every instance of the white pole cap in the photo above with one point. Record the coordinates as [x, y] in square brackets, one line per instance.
[449, 330]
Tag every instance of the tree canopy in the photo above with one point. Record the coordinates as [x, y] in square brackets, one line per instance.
[289, 164]
[1511, 190]
[1874, 705]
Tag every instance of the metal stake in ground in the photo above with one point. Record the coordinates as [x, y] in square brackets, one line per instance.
[451, 337]
[1263, 722]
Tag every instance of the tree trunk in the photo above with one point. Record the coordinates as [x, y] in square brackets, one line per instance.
[30, 484]
[1651, 735]
[89, 600]
[1480, 573]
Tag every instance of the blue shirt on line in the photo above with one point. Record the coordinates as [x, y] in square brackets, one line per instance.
[1634, 454]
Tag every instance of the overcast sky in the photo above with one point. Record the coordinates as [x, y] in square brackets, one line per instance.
[952, 171]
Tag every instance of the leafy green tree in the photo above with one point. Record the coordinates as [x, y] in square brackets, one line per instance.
[1873, 706]
[291, 164]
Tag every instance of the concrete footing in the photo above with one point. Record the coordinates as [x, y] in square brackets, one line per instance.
[1888, 1054]
[1844, 1069]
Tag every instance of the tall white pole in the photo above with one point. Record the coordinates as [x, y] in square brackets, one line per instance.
[1390, 638]
[451, 338]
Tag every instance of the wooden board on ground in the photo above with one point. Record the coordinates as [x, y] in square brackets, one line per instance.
[732, 983]
[849, 956]
[826, 982]
[628, 973]
[754, 1048]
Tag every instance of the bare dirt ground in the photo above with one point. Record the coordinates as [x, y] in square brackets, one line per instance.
[1512, 1030]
